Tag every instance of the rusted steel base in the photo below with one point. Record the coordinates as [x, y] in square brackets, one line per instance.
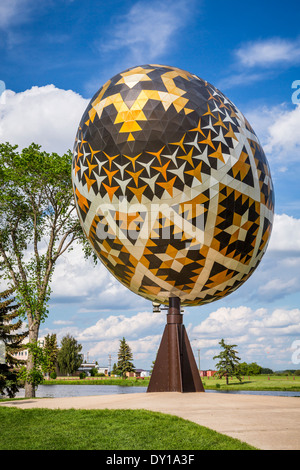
[175, 368]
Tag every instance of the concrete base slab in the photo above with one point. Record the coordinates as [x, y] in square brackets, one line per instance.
[266, 422]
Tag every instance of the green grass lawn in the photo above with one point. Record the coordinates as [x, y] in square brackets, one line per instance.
[254, 382]
[45, 429]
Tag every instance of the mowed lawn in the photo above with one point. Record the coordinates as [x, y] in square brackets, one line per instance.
[45, 429]
[255, 382]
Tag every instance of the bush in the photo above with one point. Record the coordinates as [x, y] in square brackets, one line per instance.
[82, 375]
[53, 375]
[93, 372]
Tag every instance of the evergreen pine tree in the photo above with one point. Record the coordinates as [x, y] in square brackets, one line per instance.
[125, 363]
[11, 343]
[228, 361]
[115, 370]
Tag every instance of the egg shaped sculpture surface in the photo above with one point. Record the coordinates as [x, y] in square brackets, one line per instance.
[172, 187]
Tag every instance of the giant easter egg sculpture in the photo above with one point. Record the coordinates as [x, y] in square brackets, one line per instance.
[172, 187]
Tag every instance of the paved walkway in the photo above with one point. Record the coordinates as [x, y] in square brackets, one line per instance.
[266, 422]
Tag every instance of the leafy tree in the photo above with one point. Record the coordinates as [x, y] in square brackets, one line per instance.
[250, 369]
[152, 367]
[38, 223]
[35, 375]
[94, 372]
[69, 358]
[266, 370]
[10, 344]
[228, 361]
[125, 357]
[51, 351]
[254, 369]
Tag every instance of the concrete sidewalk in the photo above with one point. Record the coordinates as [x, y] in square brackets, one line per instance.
[266, 422]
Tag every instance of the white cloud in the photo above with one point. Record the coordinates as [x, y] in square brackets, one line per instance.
[13, 11]
[277, 127]
[278, 287]
[261, 336]
[286, 234]
[74, 276]
[247, 324]
[259, 60]
[269, 52]
[143, 349]
[62, 322]
[117, 326]
[92, 287]
[46, 115]
[145, 32]
[283, 134]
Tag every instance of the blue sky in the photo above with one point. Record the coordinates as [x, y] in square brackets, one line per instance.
[55, 55]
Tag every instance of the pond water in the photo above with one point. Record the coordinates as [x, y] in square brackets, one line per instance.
[57, 391]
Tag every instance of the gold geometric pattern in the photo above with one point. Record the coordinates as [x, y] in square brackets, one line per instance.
[171, 185]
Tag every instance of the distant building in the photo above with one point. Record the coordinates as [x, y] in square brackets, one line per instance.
[23, 355]
[88, 366]
[139, 373]
[207, 373]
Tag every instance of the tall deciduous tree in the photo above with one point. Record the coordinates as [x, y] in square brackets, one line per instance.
[10, 343]
[69, 357]
[38, 223]
[228, 361]
[51, 352]
[125, 357]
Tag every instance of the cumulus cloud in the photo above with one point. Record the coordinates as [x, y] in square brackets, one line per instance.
[92, 287]
[116, 326]
[283, 134]
[286, 234]
[142, 332]
[143, 349]
[46, 115]
[244, 322]
[262, 336]
[145, 31]
[269, 52]
[277, 127]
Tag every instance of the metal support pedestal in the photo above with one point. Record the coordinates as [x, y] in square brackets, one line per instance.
[175, 368]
